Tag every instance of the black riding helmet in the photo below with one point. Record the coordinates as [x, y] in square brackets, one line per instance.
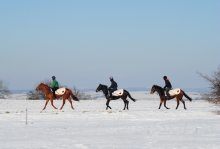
[164, 77]
[111, 78]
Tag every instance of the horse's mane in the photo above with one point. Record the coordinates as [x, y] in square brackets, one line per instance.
[104, 89]
[44, 84]
[160, 88]
[104, 85]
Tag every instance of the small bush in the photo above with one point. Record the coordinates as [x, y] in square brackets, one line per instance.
[4, 91]
[81, 94]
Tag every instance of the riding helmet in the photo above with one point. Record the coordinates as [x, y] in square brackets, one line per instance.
[53, 77]
[111, 78]
[165, 77]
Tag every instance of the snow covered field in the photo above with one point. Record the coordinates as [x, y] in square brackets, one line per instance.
[90, 126]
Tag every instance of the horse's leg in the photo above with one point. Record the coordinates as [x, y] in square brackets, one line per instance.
[127, 104]
[165, 104]
[107, 104]
[46, 104]
[177, 102]
[51, 100]
[161, 101]
[64, 100]
[183, 103]
[70, 102]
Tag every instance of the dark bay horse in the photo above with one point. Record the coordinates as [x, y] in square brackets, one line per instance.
[104, 89]
[161, 93]
[49, 95]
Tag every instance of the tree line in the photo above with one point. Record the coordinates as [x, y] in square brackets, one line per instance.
[213, 96]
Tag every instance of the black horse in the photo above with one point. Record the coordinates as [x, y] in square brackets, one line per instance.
[104, 89]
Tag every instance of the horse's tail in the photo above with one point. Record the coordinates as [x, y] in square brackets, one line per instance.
[73, 96]
[190, 99]
[129, 95]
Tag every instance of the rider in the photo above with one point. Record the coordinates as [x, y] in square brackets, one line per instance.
[167, 86]
[113, 87]
[54, 86]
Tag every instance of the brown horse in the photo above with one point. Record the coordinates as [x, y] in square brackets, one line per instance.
[49, 95]
[104, 89]
[179, 97]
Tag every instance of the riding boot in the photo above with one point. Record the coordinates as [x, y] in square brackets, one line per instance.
[168, 96]
[54, 96]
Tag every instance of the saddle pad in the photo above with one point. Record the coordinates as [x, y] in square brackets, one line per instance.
[60, 91]
[174, 91]
[118, 92]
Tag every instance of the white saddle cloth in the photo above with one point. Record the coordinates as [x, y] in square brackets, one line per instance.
[118, 92]
[174, 91]
[60, 91]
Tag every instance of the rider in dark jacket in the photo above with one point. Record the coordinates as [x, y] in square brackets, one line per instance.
[113, 87]
[167, 86]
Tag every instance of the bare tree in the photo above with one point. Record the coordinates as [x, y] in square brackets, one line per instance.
[4, 89]
[214, 81]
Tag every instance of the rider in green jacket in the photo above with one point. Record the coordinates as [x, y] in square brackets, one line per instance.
[55, 85]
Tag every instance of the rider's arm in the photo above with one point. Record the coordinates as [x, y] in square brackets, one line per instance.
[165, 85]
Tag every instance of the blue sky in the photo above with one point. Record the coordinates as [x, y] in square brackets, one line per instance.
[84, 42]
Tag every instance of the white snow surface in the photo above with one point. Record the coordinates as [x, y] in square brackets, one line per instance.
[90, 126]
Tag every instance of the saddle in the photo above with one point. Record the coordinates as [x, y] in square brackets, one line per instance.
[60, 91]
[173, 92]
[118, 92]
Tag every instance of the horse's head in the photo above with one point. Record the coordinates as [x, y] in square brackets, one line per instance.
[100, 87]
[43, 87]
[104, 88]
[153, 89]
[158, 89]
[39, 87]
